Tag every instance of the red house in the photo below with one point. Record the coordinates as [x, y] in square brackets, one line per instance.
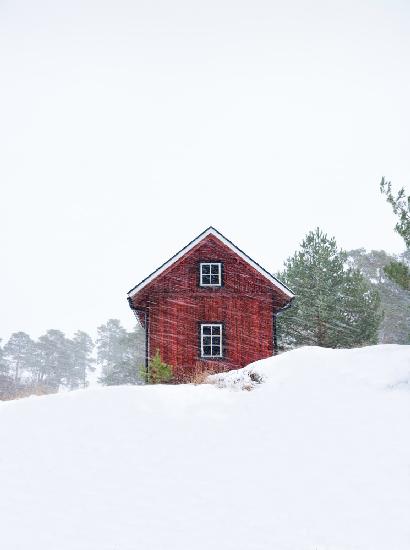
[210, 307]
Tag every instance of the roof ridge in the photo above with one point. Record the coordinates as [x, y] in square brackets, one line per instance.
[210, 230]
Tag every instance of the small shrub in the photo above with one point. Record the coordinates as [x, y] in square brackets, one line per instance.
[158, 372]
[199, 377]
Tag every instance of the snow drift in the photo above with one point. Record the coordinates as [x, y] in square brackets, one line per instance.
[317, 457]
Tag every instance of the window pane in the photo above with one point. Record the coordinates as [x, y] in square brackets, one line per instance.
[216, 351]
[215, 279]
[206, 279]
[205, 268]
[215, 269]
[211, 340]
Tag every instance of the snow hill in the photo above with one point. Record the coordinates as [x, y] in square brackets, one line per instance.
[317, 457]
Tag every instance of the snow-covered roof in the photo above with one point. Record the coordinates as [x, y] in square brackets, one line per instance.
[211, 231]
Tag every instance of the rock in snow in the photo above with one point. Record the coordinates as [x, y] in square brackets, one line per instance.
[317, 457]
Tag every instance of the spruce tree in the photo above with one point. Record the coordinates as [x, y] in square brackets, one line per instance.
[334, 305]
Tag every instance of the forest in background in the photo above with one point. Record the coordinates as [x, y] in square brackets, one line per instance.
[55, 362]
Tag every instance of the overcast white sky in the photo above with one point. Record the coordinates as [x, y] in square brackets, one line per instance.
[127, 127]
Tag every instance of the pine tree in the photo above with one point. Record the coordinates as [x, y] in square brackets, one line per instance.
[110, 344]
[110, 347]
[4, 369]
[134, 357]
[401, 207]
[6, 382]
[361, 313]
[120, 354]
[399, 271]
[395, 301]
[334, 305]
[19, 353]
[54, 364]
[82, 347]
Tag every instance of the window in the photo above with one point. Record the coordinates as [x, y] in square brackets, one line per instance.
[210, 274]
[211, 340]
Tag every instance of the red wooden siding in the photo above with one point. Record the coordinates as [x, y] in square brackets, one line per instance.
[176, 304]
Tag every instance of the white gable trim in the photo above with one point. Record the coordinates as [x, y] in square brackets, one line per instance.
[226, 242]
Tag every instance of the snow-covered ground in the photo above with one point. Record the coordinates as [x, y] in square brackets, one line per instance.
[315, 458]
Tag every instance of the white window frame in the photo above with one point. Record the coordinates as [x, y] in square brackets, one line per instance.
[217, 336]
[210, 264]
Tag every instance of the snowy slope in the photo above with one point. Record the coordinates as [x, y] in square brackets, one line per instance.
[315, 458]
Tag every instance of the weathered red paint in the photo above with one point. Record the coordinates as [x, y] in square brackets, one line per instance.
[175, 305]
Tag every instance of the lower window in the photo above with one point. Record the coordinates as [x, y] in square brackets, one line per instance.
[211, 340]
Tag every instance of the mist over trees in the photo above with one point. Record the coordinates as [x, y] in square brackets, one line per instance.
[121, 354]
[19, 355]
[55, 362]
[395, 300]
[82, 347]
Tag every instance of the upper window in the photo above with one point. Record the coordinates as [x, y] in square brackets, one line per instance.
[210, 274]
[211, 340]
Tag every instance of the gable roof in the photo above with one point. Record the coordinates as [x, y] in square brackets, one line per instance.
[211, 231]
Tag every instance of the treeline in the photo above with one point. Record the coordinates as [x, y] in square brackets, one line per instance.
[343, 299]
[55, 362]
[349, 299]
